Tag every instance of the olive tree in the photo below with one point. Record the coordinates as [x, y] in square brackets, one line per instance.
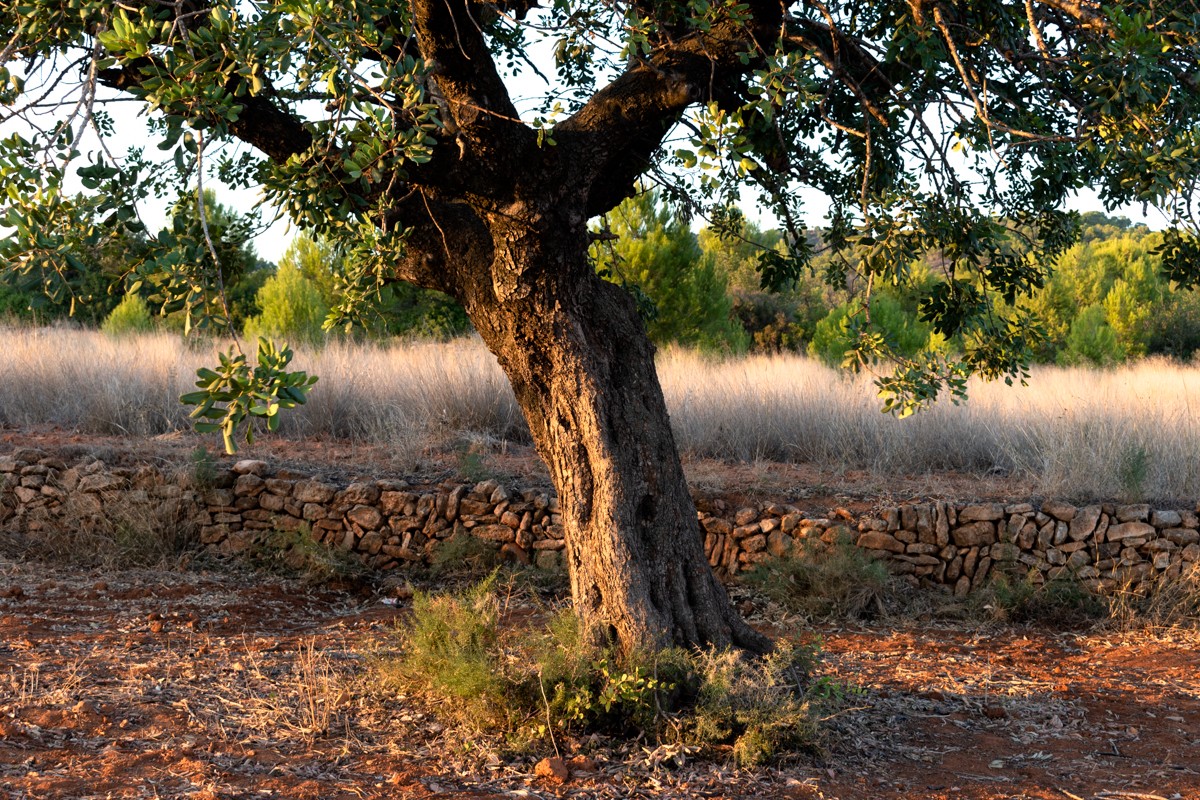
[399, 129]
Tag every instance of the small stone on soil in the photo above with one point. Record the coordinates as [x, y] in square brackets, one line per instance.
[553, 769]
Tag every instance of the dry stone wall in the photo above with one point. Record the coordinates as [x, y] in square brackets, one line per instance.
[388, 523]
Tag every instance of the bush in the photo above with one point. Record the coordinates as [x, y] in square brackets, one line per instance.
[779, 322]
[451, 650]
[130, 316]
[760, 708]
[466, 554]
[1165, 604]
[528, 685]
[1091, 341]
[292, 309]
[834, 335]
[1062, 602]
[297, 554]
[825, 582]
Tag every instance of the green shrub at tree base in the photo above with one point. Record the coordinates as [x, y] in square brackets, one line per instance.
[528, 685]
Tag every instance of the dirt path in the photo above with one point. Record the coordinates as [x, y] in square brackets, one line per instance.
[172, 684]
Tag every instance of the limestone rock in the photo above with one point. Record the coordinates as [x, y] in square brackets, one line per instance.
[1059, 509]
[251, 466]
[100, 482]
[745, 516]
[356, 494]
[249, 485]
[975, 534]
[366, 517]
[494, 533]
[1166, 519]
[1182, 536]
[718, 526]
[280, 486]
[1129, 530]
[988, 512]
[1084, 523]
[755, 544]
[312, 491]
[1133, 513]
[371, 542]
[878, 540]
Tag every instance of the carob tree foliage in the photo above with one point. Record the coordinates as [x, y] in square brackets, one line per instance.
[399, 130]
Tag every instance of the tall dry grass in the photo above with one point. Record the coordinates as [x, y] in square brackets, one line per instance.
[1130, 432]
[1123, 433]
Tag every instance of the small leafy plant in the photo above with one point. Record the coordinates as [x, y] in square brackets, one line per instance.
[234, 393]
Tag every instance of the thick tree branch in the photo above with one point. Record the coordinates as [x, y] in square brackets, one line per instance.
[446, 241]
[613, 138]
[847, 61]
[451, 42]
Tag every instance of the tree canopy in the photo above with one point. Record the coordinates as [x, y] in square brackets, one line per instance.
[406, 133]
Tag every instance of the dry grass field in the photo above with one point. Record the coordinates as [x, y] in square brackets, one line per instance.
[1128, 433]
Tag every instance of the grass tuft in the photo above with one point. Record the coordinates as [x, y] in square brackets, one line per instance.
[1166, 604]
[761, 708]
[823, 582]
[126, 535]
[1063, 602]
[466, 555]
[296, 554]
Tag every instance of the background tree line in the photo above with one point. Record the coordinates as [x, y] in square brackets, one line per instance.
[1106, 301]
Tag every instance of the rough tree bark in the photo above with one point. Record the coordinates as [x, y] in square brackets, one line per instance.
[583, 372]
[582, 368]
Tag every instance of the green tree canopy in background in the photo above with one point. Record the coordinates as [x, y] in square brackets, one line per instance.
[291, 305]
[951, 130]
[656, 252]
[317, 264]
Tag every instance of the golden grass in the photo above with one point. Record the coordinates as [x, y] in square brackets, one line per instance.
[1127, 433]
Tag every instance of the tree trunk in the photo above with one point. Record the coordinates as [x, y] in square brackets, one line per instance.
[583, 372]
